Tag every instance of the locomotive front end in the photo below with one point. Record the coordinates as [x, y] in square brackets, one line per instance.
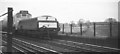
[48, 24]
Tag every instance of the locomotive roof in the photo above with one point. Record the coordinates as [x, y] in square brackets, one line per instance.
[46, 17]
[42, 18]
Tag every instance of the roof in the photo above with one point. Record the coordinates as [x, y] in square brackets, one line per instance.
[23, 12]
[47, 17]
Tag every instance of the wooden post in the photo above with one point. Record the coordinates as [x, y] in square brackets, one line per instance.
[81, 28]
[63, 29]
[71, 28]
[94, 29]
[9, 30]
[110, 29]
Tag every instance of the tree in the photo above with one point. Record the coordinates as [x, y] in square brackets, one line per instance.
[88, 23]
[73, 23]
[81, 21]
[110, 20]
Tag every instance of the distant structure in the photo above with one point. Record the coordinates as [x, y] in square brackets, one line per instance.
[23, 14]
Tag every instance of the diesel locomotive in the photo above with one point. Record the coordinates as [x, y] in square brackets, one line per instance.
[40, 26]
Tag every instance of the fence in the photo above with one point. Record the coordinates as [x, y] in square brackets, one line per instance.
[109, 29]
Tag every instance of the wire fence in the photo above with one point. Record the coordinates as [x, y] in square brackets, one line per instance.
[108, 29]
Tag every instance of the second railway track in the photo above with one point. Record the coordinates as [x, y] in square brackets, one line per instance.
[75, 46]
[27, 47]
[56, 46]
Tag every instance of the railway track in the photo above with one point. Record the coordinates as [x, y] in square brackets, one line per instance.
[57, 46]
[27, 48]
[79, 47]
[49, 45]
[31, 48]
[88, 47]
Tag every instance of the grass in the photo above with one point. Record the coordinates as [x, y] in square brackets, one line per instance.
[88, 37]
[109, 42]
[105, 30]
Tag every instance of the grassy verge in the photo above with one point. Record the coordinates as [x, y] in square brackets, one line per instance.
[109, 42]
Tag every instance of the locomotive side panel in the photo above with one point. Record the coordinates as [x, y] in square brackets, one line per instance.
[39, 27]
[29, 24]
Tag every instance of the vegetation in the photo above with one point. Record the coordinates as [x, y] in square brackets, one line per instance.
[81, 21]
[110, 20]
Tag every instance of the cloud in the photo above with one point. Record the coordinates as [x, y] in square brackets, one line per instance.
[65, 10]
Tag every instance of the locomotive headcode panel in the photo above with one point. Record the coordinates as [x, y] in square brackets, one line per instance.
[47, 21]
[48, 24]
[28, 24]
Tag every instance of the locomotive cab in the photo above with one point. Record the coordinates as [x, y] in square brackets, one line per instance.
[48, 23]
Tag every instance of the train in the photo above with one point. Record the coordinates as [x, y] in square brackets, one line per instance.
[41, 26]
[23, 14]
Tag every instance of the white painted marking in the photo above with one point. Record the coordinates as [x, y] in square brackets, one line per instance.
[92, 45]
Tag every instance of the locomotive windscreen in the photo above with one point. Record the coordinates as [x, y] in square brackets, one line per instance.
[48, 24]
[46, 19]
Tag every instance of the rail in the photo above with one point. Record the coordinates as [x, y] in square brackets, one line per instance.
[74, 45]
[23, 46]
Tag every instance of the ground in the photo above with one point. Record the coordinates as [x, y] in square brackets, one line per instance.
[102, 35]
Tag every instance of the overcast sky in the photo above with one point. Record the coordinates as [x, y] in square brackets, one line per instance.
[65, 10]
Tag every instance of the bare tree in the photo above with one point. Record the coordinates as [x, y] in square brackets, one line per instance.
[73, 23]
[81, 21]
[110, 20]
[88, 23]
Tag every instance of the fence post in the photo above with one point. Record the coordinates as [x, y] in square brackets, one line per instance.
[63, 29]
[71, 28]
[94, 29]
[81, 28]
[9, 30]
[110, 29]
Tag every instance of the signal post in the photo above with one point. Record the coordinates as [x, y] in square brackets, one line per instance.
[9, 29]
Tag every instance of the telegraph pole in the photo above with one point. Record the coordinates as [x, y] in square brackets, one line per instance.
[9, 29]
[81, 28]
[94, 24]
[71, 28]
